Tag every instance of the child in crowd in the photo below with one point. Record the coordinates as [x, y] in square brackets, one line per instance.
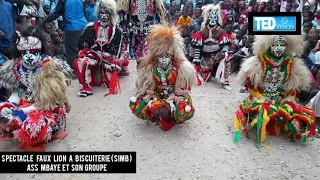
[47, 31]
[57, 46]
[316, 22]
[184, 21]
[47, 11]
[307, 16]
[61, 34]
[229, 31]
[240, 25]
[307, 26]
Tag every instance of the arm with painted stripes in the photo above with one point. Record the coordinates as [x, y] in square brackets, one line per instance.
[196, 46]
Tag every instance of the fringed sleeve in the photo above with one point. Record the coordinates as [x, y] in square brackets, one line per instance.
[299, 78]
[187, 76]
[196, 46]
[65, 69]
[8, 79]
[250, 75]
[88, 37]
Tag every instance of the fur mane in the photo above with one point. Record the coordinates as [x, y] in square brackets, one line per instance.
[206, 11]
[8, 79]
[299, 79]
[262, 44]
[186, 76]
[165, 39]
[50, 87]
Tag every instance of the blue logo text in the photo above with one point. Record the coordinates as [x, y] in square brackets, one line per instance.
[274, 23]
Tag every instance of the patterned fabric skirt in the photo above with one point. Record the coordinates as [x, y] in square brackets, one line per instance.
[179, 112]
[269, 119]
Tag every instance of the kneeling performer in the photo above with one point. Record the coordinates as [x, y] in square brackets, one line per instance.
[274, 79]
[164, 81]
[101, 57]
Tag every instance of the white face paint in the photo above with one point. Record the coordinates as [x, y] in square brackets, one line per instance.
[213, 18]
[31, 57]
[104, 16]
[164, 61]
[278, 47]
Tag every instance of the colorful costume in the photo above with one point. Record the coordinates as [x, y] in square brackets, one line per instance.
[209, 47]
[33, 105]
[274, 79]
[164, 80]
[139, 15]
[101, 57]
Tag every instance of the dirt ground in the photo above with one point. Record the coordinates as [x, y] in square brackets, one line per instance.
[200, 149]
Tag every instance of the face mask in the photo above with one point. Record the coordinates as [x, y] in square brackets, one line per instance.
[164, 61]
[278, 47]
[104, 16]
[31, 57]
[213, 19]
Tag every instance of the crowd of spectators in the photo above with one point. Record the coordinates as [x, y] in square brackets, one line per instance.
[63, 22]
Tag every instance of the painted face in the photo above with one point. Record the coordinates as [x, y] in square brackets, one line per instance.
[31, 57]
[278, 47]
[164, 61]
[104, 15]
[30, 49]
[213, 18]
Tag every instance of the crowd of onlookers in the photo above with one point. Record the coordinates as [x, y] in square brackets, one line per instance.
[57, 26]
[62, 23]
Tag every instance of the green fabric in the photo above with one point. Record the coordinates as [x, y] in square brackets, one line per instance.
[236, 137]
[182, 115]
[259, 124]
[291, 128]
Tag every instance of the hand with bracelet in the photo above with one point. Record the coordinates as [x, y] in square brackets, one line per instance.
[149, 96]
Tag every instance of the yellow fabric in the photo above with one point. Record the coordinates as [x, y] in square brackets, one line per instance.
[236, 123]
[277, 128]
[182, 21]
[291, 95]
[289, 108]
[265, 121]
[255, 93]
[254, 122]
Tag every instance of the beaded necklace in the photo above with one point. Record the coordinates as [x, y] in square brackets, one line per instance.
[27, 77]
[163, 74]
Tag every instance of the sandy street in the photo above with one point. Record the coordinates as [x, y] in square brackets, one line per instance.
[200, 149]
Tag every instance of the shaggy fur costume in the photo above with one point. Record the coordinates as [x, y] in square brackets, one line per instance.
[36, 123]
[149, 99]
[261, 112]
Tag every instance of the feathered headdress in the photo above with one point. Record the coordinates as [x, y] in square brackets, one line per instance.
[212, 8]
[111, 5]
[165, 39]
[263, 43]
